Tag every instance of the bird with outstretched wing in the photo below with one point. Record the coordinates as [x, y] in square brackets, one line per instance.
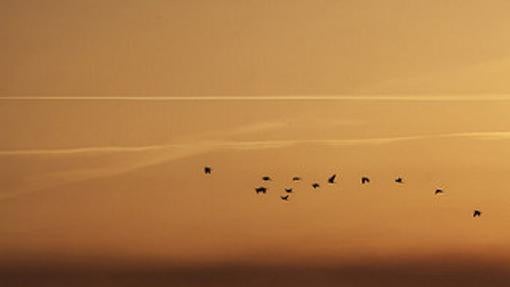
[261, 189]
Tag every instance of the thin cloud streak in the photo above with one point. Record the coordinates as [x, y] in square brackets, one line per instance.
[166, 153]
[210, 145]
[331, 97]
[85, 150]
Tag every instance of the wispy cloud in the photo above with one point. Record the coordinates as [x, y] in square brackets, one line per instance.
[150, 155]
[217, 144]
[85, 150]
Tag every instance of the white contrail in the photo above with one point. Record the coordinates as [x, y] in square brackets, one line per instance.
[409, 98]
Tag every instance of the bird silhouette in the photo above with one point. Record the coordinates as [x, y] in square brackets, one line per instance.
[332, 179]
[261, 189]
[288, 190]
[296, 178]
[266, 178]
[285, 197]
[438, 191]
[207, 170]
[477, 213]
[399, 180]
[365, 180]
[315, 185]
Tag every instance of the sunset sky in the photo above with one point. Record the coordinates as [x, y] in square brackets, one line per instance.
[109, 110]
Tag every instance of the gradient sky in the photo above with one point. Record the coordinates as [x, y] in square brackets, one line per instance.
[381, 88]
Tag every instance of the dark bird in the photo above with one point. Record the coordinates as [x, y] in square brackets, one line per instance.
[288, 190]
[332, 179]
[365, 180]
[284, 197]
[261, 190]
[399, 180]
[207, 170]
[296, 178]
[266, 178]
[477, 213]
[315, 185]
[438, 191]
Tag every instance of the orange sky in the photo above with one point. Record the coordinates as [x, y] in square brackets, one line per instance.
[122, 177]
[253, 47]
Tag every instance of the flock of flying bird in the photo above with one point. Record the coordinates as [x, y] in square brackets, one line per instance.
[331, 180]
